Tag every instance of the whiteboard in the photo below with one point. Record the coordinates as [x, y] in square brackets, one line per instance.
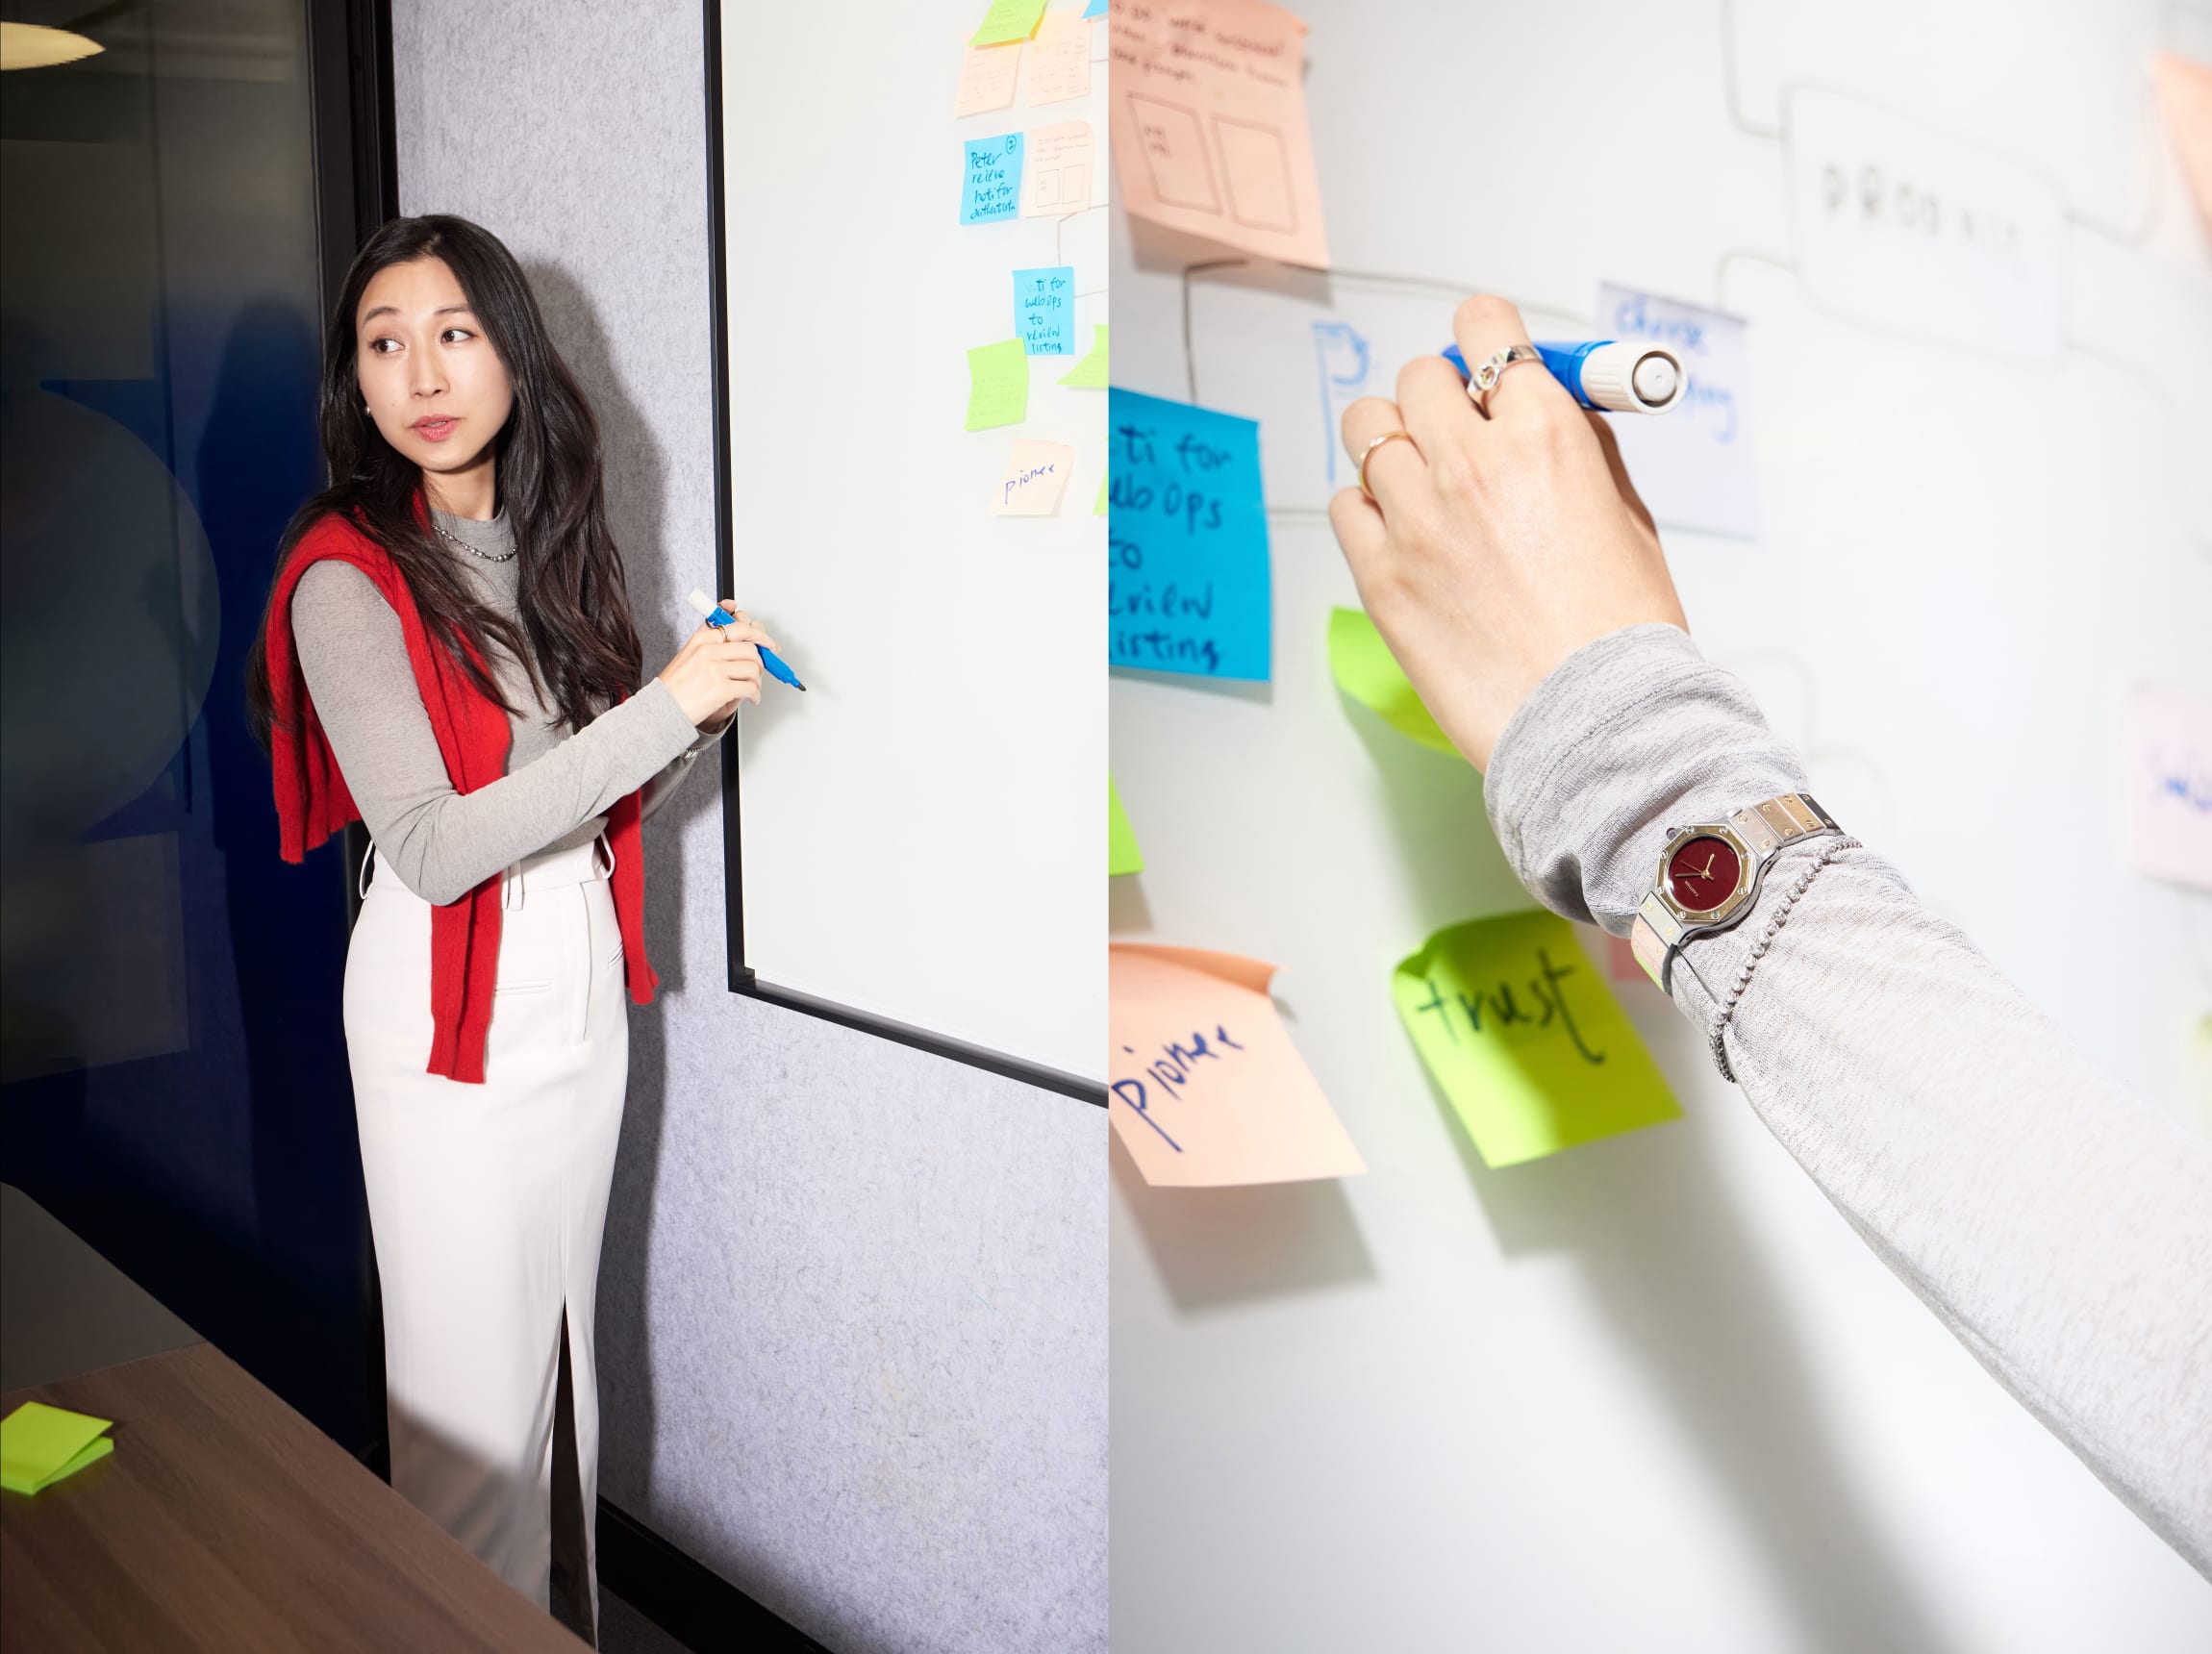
[919, 833]
[1652, 1392]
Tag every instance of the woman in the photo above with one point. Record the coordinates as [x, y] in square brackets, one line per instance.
[448, 654]
[2060, 1228]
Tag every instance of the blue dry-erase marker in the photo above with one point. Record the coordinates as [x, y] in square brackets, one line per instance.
[1621, 375]
[718, 615]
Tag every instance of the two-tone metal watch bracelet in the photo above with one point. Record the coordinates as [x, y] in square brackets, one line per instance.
[1709, 875]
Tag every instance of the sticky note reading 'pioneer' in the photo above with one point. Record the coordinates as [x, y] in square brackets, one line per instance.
[1035, 479]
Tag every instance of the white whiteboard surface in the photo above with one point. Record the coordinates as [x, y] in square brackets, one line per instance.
[922, 830]
[1652, 1393]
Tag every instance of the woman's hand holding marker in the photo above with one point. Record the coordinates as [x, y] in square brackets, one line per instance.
[1488, 550]
[717, 667]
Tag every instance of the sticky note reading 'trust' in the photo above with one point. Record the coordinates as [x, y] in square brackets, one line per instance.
[1523, 1035]
[1035, 477]
[1122, 853]
[1206, 1087]
[1188, 586]
[1045, 310]
[40, 1444]
[991, 189]
[998, 385]
[1364, 668]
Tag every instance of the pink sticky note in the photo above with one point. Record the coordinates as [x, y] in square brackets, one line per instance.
[1035, 479]
[1208, 124]
[1056, 177]
[1060, 58]
[1207, 1087]
[2185, 94]
[2167, 744]
[987, 77]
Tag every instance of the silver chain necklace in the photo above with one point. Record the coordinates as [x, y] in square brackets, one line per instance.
[456, 539]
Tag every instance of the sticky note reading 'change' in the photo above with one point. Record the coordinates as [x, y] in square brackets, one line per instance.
[998, 385]
[1206, 1087]
[1208, 124]
[1122, 853]
[40, 1444]
[1045, 310]
[1524, 1038]
[991, 189]
[1089, 374]
[1035, 477]
[1364, 668]
[1188, 584]
[1691, 468]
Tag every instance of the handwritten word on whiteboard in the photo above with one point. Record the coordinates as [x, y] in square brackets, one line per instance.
[1692, 466]
[1526, 1040]
[1208, 124]
[991, 188]
[1045, 310]
[1902, 227]
[1206, 1087]
[2168, 768]
[1188, 586]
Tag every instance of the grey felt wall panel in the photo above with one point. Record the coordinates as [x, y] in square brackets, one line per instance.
[852, 1318]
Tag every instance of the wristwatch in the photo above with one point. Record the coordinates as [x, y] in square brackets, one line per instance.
[1709, 875]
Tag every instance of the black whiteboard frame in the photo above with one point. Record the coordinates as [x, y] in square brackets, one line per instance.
[743, 977]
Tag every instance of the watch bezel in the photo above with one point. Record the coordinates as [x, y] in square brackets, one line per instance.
[1730, 905]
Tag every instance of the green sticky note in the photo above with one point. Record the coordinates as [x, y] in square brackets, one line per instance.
[1361, 663]
[1008, 21]
[1525, 1038]
[1089, 374]
[998, 385]
[1122, 853]
[1100, 510]
[40, 1444]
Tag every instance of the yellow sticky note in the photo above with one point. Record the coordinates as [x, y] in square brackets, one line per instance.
[1208, 124]
[1122, 853]
[40, 1444]
[1207, 1089]
[987, 77]
[1008, 21]
[998, 385]
[1362, 664]
[1526, 1039]
[1100, 510]
[1060, 58]
[1035, 479]
[1089, 374]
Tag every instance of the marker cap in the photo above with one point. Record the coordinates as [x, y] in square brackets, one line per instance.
[1629, 377]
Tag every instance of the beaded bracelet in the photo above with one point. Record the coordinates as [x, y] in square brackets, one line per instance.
[1835, 849]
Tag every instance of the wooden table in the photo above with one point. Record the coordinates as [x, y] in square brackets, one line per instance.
[224, 1521]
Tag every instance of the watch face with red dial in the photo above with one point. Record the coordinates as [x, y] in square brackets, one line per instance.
[1702, 874]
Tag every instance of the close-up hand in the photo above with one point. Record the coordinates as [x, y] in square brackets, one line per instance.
[716, 669]
[1489, 549]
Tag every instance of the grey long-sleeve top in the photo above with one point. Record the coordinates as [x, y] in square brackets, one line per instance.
[558, 786]
[2058, 1225]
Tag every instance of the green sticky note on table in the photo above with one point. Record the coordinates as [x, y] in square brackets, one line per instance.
[1122, 853]
[1008, 21]
[40, 1444]
[1525, 1038]
[998, 385]
[1089, 374]
[1362, 666]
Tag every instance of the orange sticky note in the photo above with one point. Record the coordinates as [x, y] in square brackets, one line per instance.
[1207, 1087]
[2185, 95]
[1057, 177]
[1035, 477]
[987, 77]
[1060, 58]
[1208, 124]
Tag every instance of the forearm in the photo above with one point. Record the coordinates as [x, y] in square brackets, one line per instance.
[2060, 1227]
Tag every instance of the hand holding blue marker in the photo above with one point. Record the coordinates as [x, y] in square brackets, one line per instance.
[718, 615]
[1614, 374]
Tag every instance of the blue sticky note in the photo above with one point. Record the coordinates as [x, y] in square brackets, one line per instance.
[1045, 310]
[1097, 9]
[1188, 584]
[992, 191]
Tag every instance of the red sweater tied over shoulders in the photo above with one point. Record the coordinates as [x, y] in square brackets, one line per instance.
[473, 738]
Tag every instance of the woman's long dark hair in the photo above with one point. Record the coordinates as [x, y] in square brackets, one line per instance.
[576, 637]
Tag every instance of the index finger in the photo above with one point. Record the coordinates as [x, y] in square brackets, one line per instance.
[1486, 324]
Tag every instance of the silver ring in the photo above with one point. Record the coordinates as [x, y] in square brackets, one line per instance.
[1484, 379]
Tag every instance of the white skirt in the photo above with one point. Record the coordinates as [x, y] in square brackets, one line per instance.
[487, 1204]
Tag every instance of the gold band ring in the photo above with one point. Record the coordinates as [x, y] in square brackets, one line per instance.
[1368, 453]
